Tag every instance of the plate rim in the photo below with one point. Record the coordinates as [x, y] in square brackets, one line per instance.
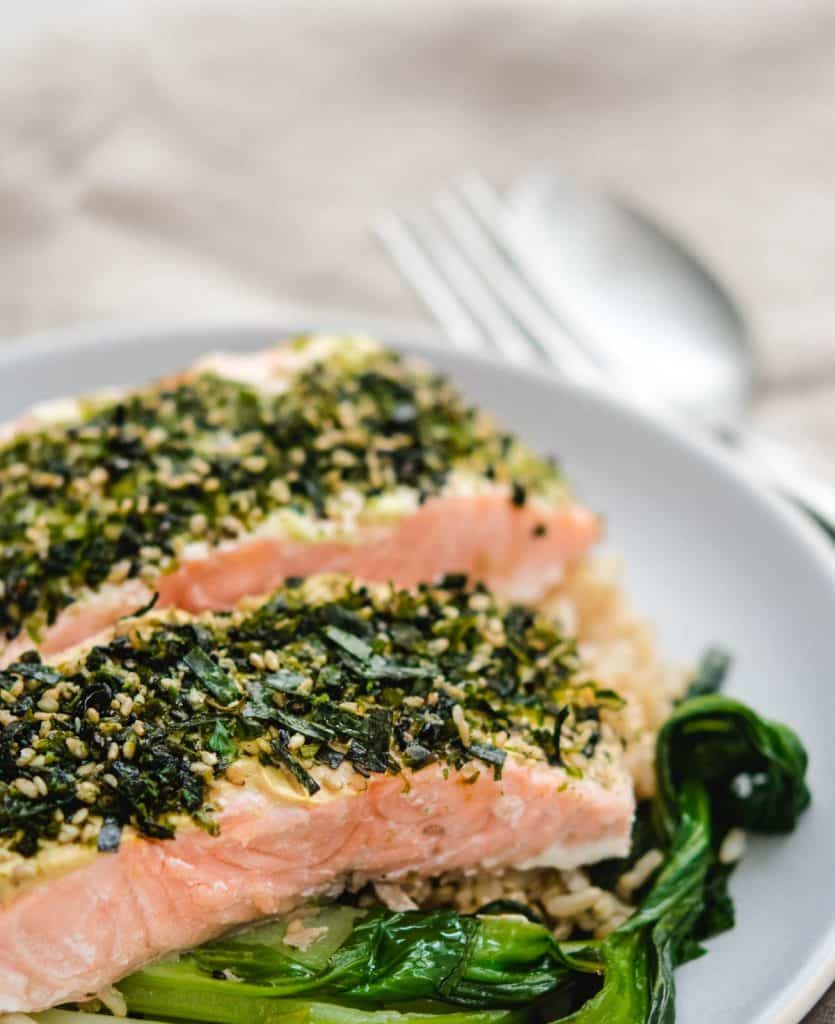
[801, 994]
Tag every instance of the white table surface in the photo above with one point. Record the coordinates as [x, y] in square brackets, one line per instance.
[223, 158]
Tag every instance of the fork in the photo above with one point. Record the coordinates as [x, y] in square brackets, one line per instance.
[459, 259]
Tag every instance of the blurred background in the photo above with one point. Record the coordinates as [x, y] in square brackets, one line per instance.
[223, 159]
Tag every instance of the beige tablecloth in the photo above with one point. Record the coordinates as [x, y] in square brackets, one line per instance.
[224, 157]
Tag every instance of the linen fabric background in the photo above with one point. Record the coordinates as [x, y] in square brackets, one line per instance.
[222, 159]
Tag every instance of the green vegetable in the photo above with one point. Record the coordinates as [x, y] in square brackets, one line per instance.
[710, 673]
[718, 766]
[212, 677]
[386, 958]
[296, 1012]
[754, 770]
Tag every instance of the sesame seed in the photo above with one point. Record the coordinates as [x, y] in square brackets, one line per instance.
[68, 834]
[456, 692]
[255, 463]
[90, 831]
[279, 491]
[461, 724]
[27, 787]
[198, 524]
[120, 571]
[231, 525]
[76, 747]
[236, 775]
[23, 871]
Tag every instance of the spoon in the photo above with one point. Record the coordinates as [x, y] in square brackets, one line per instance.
[636, 297]
[635, 294]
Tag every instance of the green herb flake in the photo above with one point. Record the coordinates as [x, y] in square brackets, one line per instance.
[222, 743]
[212, 676]
[286, 760]
[350, 644]
[490, 755]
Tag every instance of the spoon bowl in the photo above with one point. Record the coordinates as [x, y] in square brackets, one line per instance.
[633, 294]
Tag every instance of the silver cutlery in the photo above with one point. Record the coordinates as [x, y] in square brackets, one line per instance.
[623, 307]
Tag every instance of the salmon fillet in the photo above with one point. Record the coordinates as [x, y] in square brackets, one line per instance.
[191, 774]
[324, 454]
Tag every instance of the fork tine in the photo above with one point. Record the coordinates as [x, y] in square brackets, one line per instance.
[423, 277]
[472, 291]
[443, 279]
[476, 226]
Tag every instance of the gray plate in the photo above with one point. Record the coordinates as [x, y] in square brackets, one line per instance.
[709, 557]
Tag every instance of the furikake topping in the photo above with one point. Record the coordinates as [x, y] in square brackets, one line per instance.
[326, 671]
[120, 491]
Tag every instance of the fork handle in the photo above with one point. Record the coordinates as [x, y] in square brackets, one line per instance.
[797, 478]
[792, 475]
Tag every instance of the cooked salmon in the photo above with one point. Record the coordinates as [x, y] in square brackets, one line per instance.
[187, 775]
[322, 454]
